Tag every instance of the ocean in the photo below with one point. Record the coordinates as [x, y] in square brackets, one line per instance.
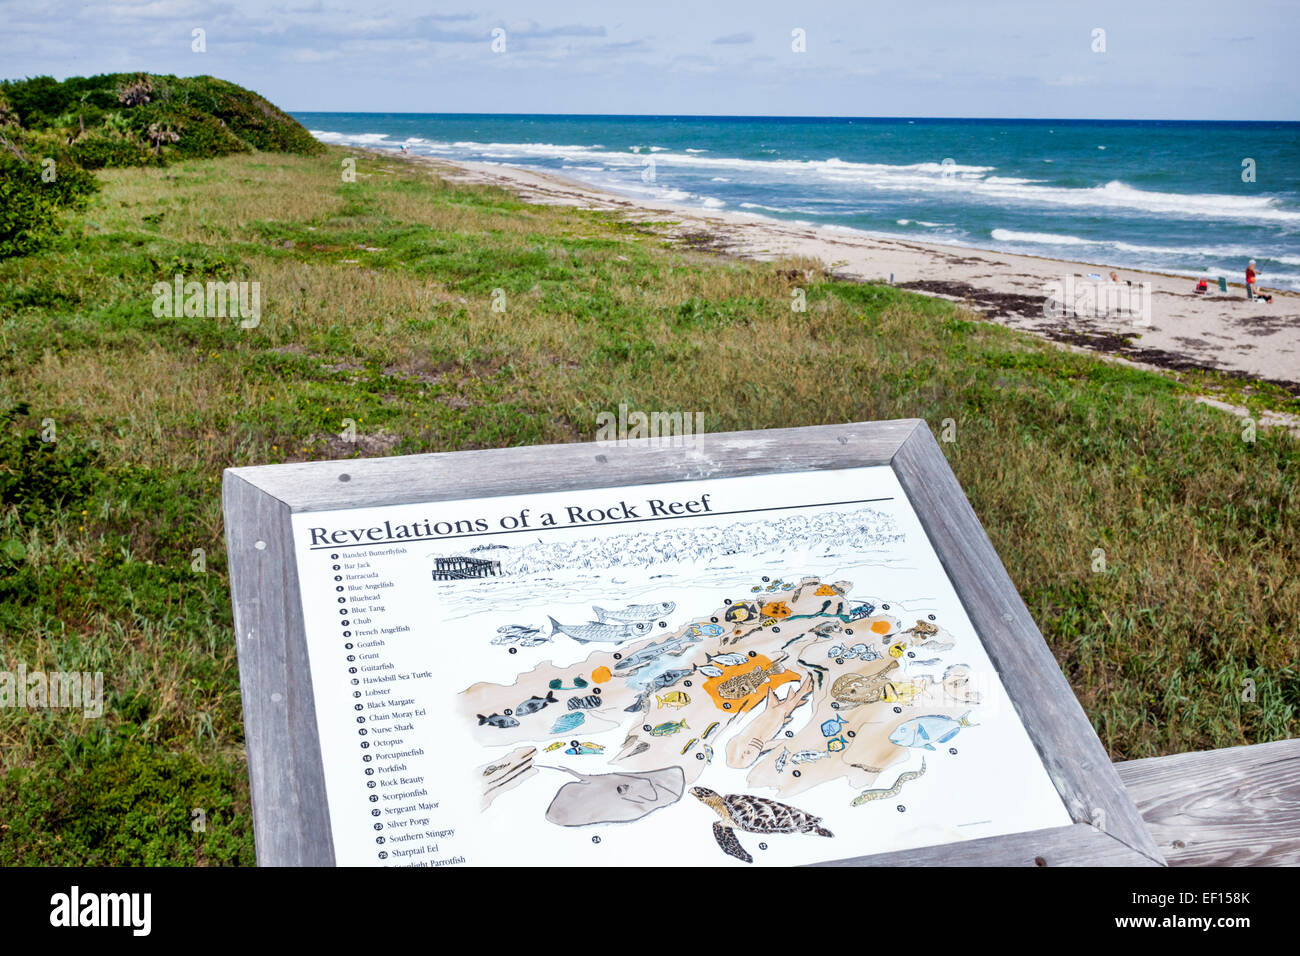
[1170, 197]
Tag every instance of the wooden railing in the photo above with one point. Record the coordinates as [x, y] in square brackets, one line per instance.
[1239, 806]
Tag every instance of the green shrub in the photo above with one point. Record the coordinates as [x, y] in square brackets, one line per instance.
[38, 477]
[124, 804]
[101, 151]
[29, 205]
[201, 134]
[214, 117]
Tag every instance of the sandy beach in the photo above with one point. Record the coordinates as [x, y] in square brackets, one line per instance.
[1166, 325]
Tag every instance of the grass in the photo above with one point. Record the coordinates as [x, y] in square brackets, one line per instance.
[377, 307]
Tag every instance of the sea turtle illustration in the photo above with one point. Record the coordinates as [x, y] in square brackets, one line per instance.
[754, 815]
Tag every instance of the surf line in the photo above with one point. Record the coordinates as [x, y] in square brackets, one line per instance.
[603, 524]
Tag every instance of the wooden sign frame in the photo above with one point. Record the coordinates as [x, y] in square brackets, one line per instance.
[290, 810]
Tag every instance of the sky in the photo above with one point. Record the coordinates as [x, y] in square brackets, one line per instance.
[1139, 59]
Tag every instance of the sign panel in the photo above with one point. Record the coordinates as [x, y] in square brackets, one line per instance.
[602, 676]
[757, 666]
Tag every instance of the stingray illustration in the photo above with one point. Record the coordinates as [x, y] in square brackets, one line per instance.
[614, 797]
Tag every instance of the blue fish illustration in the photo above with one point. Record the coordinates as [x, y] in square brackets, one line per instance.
[924, 732]
[832, 727]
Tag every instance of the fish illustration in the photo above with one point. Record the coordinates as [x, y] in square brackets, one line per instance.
[780, 761]
[708, 752]
[836, 744]
[925, 732]
[741, 613]
[567, 722]
[555, 746]
[860, 651]
[690, 743]
[710, 729]
[600, 633]
[676, 699]
[726, 660]
[744, 749]
[858, 688]
[558, 684]
[652, 651]
[668, 729]
[956, 684]
[500, 721]
[808, 756]
[533, 704]
[661, 681]
[510, 633]
[905, 692]
[742, 685]
[710, 630]
[708, 670]
[867, 796]
[637, 612]
[590, 702]
[669, 677]
[586, 747]
[827, 629]
[535, 640]
[832, 727]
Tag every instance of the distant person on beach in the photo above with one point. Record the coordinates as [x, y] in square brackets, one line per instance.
[1251, 291]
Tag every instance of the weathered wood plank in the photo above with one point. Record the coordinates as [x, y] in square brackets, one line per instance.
[1075, 759]
[487, 473]
[290, 813]
[1075, 845]
[1239, 806]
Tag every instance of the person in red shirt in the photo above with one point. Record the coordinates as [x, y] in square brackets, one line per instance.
[1251, 291]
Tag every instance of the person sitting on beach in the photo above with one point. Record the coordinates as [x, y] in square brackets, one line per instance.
[1251, 291]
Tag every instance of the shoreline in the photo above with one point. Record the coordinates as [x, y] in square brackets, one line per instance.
[1222, 332]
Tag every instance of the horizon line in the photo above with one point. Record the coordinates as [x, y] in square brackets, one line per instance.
[778, 116]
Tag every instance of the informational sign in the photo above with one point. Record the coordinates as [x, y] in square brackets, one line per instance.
[742, 670]
[768, 669]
